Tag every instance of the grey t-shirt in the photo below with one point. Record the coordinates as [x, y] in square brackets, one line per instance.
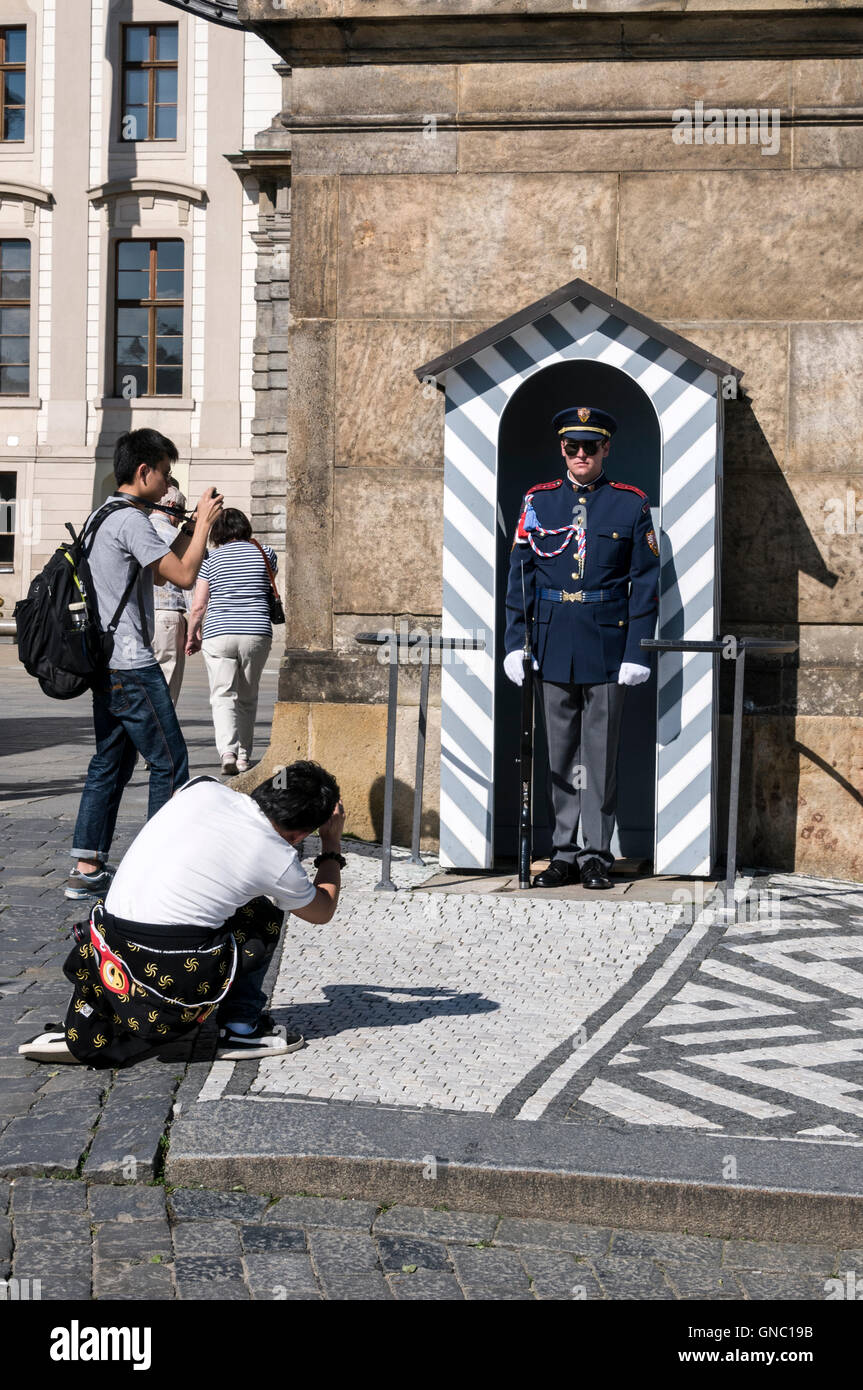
[126, 536]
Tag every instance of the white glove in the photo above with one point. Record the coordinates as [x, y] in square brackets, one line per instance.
[631, 674]
[513, 665]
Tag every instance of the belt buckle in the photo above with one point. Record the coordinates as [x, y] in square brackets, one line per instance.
[572, 598]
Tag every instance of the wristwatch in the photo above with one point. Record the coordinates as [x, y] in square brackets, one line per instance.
[330, 854]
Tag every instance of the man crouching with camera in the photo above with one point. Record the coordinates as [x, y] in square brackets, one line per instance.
[192, 919]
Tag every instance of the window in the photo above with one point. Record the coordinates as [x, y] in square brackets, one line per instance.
[14, 318]
[8, 492]
[149, 106]
[13, 58]
[149, 326]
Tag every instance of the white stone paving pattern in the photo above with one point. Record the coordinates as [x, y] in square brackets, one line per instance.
[444, 999]
[473, 1001]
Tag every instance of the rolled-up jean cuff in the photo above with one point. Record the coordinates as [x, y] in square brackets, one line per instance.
[93, 856]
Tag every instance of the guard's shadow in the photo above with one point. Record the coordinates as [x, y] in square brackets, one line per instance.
[368, 1006]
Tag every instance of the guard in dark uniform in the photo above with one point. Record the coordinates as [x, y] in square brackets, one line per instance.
[584, 570]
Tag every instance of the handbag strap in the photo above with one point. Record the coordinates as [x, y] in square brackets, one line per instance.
[269, 570]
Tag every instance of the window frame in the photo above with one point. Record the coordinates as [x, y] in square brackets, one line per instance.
[8, 566]
[152, 305]
[28, 336]
[151, 65]
[5, 67]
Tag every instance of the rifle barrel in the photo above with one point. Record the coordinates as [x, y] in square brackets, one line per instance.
[525, 764]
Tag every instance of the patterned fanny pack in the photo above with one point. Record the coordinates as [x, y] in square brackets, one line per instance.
[131, 997]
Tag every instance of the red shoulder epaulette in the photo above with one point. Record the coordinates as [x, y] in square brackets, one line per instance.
[520, 533]
[629, 488]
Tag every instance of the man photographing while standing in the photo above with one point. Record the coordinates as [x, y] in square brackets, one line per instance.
[132, 708]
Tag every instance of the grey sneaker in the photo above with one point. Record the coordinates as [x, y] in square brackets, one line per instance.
[80, 885]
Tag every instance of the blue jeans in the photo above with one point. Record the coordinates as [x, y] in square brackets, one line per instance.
[132, 714]
[246, 999]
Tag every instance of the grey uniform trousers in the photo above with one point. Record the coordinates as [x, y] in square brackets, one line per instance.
[582, 725]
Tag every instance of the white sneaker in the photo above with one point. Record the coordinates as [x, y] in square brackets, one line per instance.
[229, 764]
[47, 1047]
[243, 764]
[268, 1040]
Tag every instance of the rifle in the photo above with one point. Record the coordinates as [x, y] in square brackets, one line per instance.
[525, 754]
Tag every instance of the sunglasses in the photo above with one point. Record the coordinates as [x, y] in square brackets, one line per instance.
[589, 446]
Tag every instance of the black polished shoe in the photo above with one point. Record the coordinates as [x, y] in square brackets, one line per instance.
[557, 875]
[594, 874]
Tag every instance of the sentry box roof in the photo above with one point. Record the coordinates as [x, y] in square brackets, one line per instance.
[541, 315]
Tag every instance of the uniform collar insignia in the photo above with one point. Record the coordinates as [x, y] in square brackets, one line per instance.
[587, 487]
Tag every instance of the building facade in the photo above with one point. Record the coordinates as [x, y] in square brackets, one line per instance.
[128, 221]
[438, 166]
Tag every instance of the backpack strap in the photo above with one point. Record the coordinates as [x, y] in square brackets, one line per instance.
[127, 593]
[91, 525]
[202, 777]
[86, 539]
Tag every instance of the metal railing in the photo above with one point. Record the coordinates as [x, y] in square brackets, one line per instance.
[740, 647]
[426, 643]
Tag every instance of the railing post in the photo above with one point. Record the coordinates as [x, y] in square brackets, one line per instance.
[386, 884]
[396, 644]
[718, 644]
[734, 790]
[419, 775]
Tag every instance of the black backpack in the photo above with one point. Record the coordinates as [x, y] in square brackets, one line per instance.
[61, 640]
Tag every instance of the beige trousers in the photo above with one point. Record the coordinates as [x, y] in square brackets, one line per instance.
[234, 666]
[169, 646]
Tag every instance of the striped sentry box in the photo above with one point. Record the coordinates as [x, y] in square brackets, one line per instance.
[684, 385]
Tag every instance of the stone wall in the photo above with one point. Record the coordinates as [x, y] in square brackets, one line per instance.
[432, 199]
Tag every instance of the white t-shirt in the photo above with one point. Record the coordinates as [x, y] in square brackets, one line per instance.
[208, 851]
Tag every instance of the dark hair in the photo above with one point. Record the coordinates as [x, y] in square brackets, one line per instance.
[137, 447]
[230, 525]
[299, 797]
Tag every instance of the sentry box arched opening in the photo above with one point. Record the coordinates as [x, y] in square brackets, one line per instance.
[501, 387]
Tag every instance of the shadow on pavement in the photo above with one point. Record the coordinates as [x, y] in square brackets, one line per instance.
[369, 1006]
[31, 735]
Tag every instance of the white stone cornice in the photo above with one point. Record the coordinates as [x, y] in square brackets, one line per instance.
[106, 195]
[145, 186]
[32, 195]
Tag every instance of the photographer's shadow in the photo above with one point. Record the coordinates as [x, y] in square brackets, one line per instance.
[368, 1006]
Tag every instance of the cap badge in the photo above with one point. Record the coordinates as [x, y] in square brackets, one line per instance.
[583, 414]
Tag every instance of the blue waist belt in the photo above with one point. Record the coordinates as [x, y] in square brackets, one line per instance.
[583, 596]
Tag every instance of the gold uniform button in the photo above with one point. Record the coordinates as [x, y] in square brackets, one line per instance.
[615, 535]
[575, 574]
[620, 624]
[582, 499]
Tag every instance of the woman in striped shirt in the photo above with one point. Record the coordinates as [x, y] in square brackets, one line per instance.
[230, 623]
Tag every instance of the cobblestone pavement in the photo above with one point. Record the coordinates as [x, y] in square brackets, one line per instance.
[87, 1240]
[468, 1002]
[652, 1014]
[48, 1118]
